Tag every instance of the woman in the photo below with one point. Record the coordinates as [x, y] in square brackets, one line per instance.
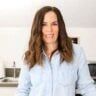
[54, 66]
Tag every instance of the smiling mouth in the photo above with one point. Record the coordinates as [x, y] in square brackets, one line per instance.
[49, 36]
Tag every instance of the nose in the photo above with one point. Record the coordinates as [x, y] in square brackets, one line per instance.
[49, 28]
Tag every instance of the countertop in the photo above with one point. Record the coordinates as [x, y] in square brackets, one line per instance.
[8, 82]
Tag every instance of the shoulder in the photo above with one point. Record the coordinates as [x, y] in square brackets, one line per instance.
[77, 49]
[78, 52]
[24, 68]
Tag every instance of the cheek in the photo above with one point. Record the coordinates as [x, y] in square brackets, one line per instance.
[56, 30]
[43, 30]
[56, 33]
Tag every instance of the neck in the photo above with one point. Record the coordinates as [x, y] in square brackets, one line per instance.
[49, 48]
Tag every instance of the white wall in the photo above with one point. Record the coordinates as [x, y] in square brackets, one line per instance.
[13, 43]
[77, 13]
[87, 38]
[19, 13]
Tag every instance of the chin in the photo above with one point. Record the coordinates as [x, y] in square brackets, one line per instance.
[50, 42]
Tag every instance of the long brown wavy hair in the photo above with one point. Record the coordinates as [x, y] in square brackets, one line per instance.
[34, 54]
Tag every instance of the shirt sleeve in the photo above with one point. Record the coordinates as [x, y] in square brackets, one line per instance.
[24, 83]
[85, 83]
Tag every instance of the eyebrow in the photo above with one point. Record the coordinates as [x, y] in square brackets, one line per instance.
[52, 22]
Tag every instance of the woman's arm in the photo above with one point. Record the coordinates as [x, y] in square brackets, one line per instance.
[24, 82]
[85, 83]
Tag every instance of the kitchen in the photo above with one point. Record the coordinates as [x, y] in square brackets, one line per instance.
[15, 25]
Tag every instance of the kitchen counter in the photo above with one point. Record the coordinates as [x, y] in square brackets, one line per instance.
[9, 82]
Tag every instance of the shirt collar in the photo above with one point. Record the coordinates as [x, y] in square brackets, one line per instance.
[55, 53]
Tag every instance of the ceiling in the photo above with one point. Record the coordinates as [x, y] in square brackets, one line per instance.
[20, 13]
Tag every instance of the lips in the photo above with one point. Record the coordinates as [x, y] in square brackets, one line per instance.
[49, 36]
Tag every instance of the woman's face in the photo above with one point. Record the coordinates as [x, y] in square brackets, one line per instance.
[50, 28]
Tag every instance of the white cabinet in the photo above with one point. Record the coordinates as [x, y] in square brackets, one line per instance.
[8, 86]
[7, 91]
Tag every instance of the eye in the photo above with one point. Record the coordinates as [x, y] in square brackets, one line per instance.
[55, 23]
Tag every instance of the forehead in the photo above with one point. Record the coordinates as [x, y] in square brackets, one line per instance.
[50, 16]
